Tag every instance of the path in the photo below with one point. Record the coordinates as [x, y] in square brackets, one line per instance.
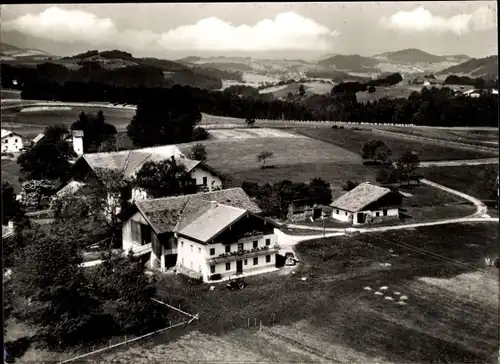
[463, 162]
[289, 241]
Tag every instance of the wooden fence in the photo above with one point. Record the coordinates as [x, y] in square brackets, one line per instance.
[130, 341]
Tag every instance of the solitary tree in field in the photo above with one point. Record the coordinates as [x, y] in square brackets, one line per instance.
[302, 90]
[376, 150]
[407, 164]
[263, 157]
[198, 152]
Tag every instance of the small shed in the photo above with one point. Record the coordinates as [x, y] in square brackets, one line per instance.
[302, 209]
[367, 203]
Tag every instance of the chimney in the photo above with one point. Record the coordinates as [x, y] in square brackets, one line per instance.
[213, 205]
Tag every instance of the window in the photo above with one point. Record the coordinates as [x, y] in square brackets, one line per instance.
[385, 212]
[377, 214]
[204, 181]
[135, 232]
[268, 241]
[240, 247]
[228, 248]
[228, 266]
[182, 244]
[6, 141]
[212, 269]
[245, 262]
[268, 259]
[15, 140]
[337, 212]
[199, 250]
[255, 260]
[212, 251]
[145, 234]
[191, 248]
[255, 243]
[345, 212]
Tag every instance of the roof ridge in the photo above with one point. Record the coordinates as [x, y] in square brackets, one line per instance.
[182, 213]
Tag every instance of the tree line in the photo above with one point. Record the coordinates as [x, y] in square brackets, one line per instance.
[434, 107]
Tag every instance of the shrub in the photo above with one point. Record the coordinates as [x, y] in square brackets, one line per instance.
[199, 133]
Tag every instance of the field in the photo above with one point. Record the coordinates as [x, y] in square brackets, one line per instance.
[282, 91]
[478, 181]
[31, 123]
[487, 138]
[391, 92]
[353, 140]
[234, 151]
[450, 314]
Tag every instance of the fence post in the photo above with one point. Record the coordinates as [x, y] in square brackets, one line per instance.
[126, 342]
[260, 325]
[255, 321]
[248, 322]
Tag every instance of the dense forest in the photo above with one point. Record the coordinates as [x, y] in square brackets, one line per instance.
[435, 107]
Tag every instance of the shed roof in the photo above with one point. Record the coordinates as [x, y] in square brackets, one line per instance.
[359, 197]
[6, 133]
[38, 138]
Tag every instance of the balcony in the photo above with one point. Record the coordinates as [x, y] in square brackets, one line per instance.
[244, 254]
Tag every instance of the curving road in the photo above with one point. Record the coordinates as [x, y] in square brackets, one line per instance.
[287, 242]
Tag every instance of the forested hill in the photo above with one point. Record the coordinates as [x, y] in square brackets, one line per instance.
[117, 68]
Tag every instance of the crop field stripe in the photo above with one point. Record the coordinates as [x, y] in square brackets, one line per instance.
[426, 252]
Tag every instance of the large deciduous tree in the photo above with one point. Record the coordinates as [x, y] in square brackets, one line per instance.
[165, 178]
[407, 165]
[11, 208]
[61, 309]
[96, 131]
[49, 158]
[167, 118]
[320, 191]
[376, 150]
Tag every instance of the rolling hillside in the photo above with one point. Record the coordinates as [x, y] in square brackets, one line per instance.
[9, 52]
[475, 67]
[353, 63]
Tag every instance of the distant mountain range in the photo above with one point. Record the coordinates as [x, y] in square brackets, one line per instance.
[476, 67]
[412, 55]
[209, 71]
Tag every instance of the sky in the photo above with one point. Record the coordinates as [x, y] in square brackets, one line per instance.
[252, 29]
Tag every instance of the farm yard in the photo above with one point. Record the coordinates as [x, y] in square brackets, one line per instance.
[449, 314]
[353, 140]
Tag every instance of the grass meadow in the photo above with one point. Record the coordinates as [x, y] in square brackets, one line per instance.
[450, 313]
[353, 141]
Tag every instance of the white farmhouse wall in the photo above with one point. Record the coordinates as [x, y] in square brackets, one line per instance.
[212, 181]
[12, 143]
[193, 256]
[78, 145]
[139, 194]
[341, 215]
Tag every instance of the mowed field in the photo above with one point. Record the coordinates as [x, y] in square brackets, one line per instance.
[391, 92]
[450, 315]
[295, 156]
[313, 87]
[486, 138]
[30, 123]
[353, 140]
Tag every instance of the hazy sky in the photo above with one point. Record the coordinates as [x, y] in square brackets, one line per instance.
[232, 28]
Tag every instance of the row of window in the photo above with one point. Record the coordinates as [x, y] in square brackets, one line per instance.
[255, 244]
[6, 141]
[245, 262]
[376, 214]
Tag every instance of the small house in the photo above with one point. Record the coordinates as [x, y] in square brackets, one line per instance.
[211, 235]
[367, 203]
[12, 142]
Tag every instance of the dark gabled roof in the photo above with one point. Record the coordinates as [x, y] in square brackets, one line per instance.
[170, 214]
[359, 197]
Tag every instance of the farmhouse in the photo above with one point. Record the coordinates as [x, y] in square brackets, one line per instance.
[367, 203]
[11, 142]
[131, 161]
[209, 235]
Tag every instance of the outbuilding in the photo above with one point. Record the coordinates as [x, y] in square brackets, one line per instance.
[367, 203]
